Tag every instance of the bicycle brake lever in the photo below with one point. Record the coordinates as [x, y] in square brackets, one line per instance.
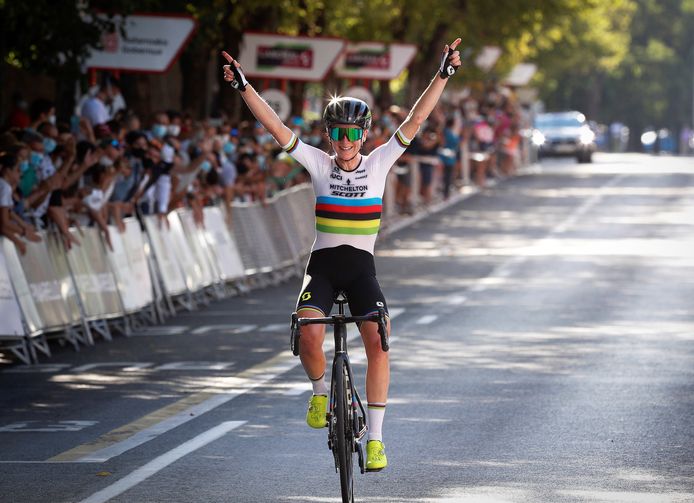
[295, 335]
[382, 329]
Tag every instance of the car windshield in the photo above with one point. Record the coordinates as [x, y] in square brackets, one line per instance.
[557, 121]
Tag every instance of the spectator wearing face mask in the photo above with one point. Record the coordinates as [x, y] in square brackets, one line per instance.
[160, 126]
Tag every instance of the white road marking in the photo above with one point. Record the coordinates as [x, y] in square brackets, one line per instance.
[46, 427]
[195, 366]
[427, 319]
[228, 328]
[161, 462]
[276, 327]
[153, 331]
[127, 366]
[39, 368]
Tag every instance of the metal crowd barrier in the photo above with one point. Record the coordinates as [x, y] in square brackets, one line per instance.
[151, 269]
[155, 266]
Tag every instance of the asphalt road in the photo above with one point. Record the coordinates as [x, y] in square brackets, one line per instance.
[542, 351]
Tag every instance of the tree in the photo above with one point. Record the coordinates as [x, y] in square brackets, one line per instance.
[42, 39]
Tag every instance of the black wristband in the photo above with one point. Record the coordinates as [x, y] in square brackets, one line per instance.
[446, 69]
[239, 83]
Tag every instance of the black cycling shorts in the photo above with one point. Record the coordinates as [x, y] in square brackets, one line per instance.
[346, 268]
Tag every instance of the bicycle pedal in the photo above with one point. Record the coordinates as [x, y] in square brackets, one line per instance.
[362, 428]
[360, 457]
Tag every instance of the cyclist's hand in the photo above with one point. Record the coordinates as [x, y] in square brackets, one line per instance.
[450, 60]
[233, 73]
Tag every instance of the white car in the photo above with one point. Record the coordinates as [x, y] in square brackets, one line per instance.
[564, 134]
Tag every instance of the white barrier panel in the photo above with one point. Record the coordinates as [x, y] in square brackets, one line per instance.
[172, 275]
[258, 234]
[222, 245]
[192, 269]
[96, 284]
[32, 318]
[302, 205]
[10, 312]
[50, 284]
[243, 235]
[129, 264]
[199, 248]
[278, 234]
[291, 226]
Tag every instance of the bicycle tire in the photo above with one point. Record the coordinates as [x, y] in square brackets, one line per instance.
[344, 431]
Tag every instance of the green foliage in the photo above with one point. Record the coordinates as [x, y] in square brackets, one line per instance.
[627, 60]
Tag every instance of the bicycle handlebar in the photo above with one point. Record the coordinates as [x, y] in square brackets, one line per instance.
[378, 317]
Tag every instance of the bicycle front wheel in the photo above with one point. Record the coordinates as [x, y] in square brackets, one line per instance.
[343, 430]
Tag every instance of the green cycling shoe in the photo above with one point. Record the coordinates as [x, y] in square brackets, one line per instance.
[376, 459]
[316, 416]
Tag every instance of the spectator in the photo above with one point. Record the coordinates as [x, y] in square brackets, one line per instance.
[11, 225]
[41, 110]
[449, 153]
[426, 148]
[95, 108]
[480, 137]
[116, 105]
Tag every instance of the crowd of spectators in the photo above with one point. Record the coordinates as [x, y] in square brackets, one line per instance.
[107, 162]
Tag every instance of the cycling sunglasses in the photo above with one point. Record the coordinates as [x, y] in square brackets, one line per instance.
[352, 133]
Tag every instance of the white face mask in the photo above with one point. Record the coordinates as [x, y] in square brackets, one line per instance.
[105, 161]
[51, 119]
[174, 129]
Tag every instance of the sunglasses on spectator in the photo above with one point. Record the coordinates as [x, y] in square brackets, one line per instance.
[352, 133]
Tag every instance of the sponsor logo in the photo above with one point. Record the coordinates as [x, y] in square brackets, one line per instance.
[368, 58]
[284, 56]
[335, 176]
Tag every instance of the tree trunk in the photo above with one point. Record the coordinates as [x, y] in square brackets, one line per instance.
[194, 64]
[424, 64]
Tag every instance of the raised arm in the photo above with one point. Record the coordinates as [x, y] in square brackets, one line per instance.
[450, 61]
[258, 106]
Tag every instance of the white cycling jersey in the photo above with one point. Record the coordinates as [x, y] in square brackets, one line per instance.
[348, 203]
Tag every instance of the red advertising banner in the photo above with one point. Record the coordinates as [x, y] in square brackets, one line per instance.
[294, 58]
[374, 60]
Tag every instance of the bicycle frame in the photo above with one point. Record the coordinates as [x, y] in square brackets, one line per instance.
[343, 443]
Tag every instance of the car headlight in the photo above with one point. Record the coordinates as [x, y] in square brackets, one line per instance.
[587, 137]
[538, 138]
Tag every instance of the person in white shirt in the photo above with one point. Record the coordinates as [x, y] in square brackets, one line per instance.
[11, 225]
[95, 108]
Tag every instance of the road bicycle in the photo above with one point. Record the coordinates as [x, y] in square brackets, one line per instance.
[346, 415]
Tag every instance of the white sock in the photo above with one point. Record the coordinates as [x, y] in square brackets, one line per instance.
[376, 412]
[319, 387]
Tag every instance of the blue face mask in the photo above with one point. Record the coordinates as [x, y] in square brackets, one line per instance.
[35, 158]
[23, 166]
[205, 166]
[261, 161]
[49, 145]
[159, 130]
[229, 148]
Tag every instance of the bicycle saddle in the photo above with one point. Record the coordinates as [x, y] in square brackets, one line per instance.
[340, 296]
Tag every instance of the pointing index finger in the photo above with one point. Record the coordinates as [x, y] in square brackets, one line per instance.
[455, 43]
[227, 57]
